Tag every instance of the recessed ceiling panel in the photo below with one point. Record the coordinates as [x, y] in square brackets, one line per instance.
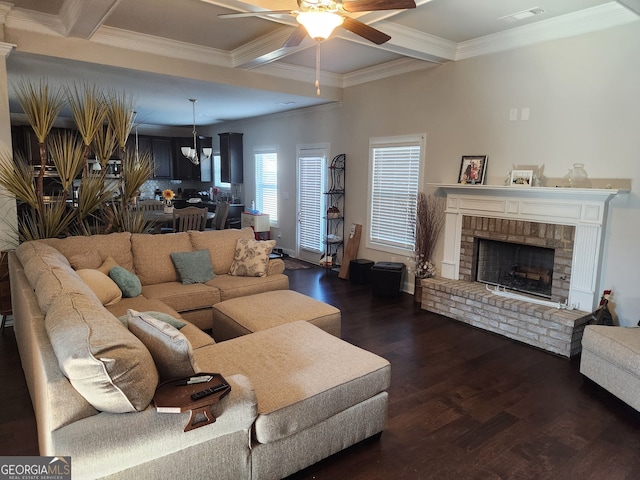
[45, 6]
[462, 20]
[340, 56]
[190, 21]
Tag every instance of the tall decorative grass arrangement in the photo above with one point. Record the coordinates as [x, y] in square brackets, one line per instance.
[68, 157]
[429, 223]
[89, 112]
[41, 104]
[102, 204]
[120, 114]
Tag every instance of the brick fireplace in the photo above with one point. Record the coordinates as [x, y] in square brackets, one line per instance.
[569, 221]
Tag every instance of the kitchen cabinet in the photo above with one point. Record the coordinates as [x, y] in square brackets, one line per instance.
[162, 157]
[183, 169]
[231, 157]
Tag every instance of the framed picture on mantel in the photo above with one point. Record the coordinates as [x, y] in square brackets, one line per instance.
[472, 169]
[521, 178]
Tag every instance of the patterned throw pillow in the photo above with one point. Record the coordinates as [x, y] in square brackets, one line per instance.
[251, 258]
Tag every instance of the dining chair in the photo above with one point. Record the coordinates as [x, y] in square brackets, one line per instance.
[220, 220]
[189, 218]
[148, 205]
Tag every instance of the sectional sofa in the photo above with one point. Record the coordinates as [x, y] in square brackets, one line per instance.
[298, 394]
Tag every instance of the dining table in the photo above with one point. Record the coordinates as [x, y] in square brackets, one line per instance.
[160, 217]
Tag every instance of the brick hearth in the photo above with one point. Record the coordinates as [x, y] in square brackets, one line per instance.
[552, 329]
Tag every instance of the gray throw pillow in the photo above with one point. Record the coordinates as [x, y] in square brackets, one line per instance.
[193, 267]
[128, 282]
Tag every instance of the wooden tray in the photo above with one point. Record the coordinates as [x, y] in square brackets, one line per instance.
[173, 396]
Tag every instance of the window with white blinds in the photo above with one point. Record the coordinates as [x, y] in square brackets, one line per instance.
[394, 165]
[266, 162]
[216, 173]
[312, 165]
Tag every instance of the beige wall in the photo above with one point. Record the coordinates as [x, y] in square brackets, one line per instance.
[584, 104]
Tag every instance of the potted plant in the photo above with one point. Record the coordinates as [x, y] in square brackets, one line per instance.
[428, 225]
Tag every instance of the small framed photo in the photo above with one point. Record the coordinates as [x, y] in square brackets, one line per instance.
[472, 169]
[521, 178]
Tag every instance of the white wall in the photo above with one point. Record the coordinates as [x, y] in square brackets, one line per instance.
[584, 104]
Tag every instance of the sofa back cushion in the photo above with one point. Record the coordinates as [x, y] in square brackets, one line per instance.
[221, 245]
[152, 256]
[83, 248]
[48, 273]
[103, 360]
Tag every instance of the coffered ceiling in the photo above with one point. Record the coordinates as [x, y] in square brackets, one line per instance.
[435, 32]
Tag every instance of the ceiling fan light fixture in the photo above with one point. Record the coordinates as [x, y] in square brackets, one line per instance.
[319, 25]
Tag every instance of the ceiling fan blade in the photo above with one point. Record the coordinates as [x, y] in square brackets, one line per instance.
[371, 5]
[255, 14]
[365, 31]
[296, 37]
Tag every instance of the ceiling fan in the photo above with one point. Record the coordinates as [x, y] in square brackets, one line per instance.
[319, 18]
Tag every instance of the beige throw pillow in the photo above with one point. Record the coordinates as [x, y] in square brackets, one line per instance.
[252, 257]
[170, 349]
[105, 289]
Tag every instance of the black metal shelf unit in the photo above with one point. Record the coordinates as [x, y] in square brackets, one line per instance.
[334, 219]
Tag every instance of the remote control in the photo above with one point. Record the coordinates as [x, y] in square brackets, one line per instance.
[208, 391]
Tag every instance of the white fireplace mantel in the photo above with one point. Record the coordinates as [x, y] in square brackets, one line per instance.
[585, 208]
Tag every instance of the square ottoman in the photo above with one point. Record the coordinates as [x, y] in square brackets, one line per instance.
[239, 316]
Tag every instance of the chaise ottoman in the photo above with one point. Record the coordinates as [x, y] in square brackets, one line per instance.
[243, 315]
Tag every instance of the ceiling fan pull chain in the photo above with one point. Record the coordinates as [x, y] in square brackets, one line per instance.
[318, 68]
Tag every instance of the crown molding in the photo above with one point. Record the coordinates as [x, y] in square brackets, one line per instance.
[140, 42]
[385, 70]
[302, 74]
[585, 21]
[36, 22]
[5, 8]
[6, 49]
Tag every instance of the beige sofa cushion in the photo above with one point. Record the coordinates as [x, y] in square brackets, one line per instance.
[105, 362]
[49, 273]
[309, 391]
[221, 245]
[152, 256]
[116, 245]
[243, 315]
[181, 297]
[230, 286]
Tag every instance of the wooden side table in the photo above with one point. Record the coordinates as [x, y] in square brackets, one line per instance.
[5, 289]
[174, 396]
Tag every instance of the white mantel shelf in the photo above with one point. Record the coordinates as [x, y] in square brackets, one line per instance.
[599, 194]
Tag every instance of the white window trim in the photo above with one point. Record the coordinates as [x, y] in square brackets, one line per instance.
[390, 141]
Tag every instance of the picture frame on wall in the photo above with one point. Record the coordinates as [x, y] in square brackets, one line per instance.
[521, 178]
[472, 169]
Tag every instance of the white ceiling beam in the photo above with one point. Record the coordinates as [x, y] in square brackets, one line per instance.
[633, 5]
[81, 18]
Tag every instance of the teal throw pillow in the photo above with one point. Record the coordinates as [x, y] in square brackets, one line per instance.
[193, 267]
[163, 317]
[126, 281]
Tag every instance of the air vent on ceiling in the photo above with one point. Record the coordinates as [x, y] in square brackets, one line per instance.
[516, 17]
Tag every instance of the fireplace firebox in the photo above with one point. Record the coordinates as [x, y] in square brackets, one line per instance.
[514, 266]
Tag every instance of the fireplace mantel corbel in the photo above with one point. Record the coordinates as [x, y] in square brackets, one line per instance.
[585, 208]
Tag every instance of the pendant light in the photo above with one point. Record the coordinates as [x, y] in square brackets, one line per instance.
[191, 153]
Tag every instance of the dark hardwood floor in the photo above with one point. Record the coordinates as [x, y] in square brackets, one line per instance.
[464, 403]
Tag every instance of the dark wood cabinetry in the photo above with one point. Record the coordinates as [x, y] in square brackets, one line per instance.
[162, 158]
[231, 157]
[183, 169]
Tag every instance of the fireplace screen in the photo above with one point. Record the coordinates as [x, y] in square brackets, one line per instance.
[524, 268]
